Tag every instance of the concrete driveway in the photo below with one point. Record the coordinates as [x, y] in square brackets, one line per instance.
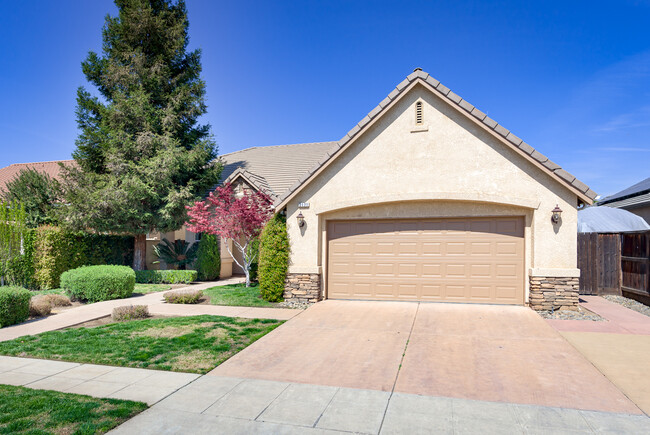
[482, 352]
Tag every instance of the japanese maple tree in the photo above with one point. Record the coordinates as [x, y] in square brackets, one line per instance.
[236, 218]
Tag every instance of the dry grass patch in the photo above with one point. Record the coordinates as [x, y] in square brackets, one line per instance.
[195, 361]
[171, 331]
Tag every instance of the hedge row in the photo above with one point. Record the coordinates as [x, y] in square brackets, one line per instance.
[165, 276]
[99, 283]
[208, 258]
[14, 305]
[57, 251]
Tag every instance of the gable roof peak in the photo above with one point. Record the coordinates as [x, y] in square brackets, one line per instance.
[581, 189]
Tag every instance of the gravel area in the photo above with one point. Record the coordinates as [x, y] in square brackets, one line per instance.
[294, 304]
[580, 314]
[629, 303]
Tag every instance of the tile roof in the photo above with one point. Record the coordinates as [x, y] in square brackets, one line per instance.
[441, 90]
[279, 166]
[638, 189]
[51, 168]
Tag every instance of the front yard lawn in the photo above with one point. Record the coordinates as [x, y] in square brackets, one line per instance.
[237, 295]
[139, 288]
[23, 410]
[183, 344]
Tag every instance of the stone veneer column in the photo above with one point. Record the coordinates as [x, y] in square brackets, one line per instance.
[302, 287]
[553, 293]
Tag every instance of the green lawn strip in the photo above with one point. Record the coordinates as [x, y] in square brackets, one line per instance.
[48, 292]
[237, 295]
[184, 344]
[143, 289]
[23, 410]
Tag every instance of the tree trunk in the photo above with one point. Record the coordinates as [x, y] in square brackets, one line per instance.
[139, 251]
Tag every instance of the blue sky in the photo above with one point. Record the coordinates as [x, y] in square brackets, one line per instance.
[570, 78]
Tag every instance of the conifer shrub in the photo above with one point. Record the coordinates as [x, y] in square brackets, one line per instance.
[208, 260]
[273, 258]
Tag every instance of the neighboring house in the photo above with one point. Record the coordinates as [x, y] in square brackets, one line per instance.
[425, 199]
[609, 220]
[635, 199]
[53, 169]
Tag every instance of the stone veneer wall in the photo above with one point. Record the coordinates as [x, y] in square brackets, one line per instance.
[555, 293]
[302, 287]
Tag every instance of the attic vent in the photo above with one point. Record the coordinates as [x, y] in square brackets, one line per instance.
[418, 113]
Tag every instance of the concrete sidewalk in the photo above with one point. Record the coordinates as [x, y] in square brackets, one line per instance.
[149, 386]
[157, 306]
[619, 320]
[214, 404]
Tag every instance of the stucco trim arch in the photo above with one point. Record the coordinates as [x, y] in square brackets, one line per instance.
[477, 197]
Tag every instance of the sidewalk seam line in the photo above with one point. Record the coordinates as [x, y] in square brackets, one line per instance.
[399, 368]
[328, 405]
[220, 397]
[271, 402]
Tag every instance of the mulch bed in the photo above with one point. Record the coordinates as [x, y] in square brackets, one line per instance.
[629, 303]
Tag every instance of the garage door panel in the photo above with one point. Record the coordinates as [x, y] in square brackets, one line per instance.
[461, 260]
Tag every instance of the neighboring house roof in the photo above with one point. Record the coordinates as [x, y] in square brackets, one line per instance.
[51, 168]
[633, 195]
[506, 136]
[609, 220]
[278, 167]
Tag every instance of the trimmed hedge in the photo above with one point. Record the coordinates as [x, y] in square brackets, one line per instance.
[208, 258]
[274, 258]
[165, 276]
[14, 305]
[99, 283]
[57, 251]
[20, 269]
[183, 297]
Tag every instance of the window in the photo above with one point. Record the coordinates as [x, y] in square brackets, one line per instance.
[418, 113]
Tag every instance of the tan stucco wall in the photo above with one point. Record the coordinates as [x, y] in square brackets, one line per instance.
[446, 170]
[644, 212]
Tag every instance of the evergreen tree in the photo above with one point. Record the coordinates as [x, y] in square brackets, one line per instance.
[38, 193]
[142, 154]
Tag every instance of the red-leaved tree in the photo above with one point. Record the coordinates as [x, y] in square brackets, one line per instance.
[232, 217]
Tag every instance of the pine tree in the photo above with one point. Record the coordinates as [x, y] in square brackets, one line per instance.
[141, 152]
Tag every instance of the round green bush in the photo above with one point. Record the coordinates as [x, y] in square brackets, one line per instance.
[208, 258]
[14, 305]
[274, 258]
[99, 283]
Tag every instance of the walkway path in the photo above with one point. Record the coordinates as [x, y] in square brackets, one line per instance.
[188, 403]
[157, 306]
[619, 347]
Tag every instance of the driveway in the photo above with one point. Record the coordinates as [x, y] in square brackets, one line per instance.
[482, 352]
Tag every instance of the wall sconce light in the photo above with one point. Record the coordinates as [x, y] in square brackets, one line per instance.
[557, 211]
[301, 220]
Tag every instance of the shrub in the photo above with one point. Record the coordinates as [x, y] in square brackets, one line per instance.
[208, 260]
[130, 312]
[14, 305]
[57, 251]
[183, 297]
[274, 258]
[99, 283]
[20, 269]
[57, 300]
[39, 307]
[165, 276]
[254, 252]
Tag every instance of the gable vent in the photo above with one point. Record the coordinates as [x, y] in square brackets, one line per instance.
[418, 113]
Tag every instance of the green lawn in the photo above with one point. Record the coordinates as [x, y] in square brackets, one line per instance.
[184, 344]
[23, 410]
[237, 295]
[150, 288]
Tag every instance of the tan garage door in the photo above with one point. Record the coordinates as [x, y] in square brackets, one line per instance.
[453, 260]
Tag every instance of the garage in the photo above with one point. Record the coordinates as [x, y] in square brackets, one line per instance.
[477, 260]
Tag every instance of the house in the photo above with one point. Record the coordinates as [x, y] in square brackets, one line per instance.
[429, 199]
[635, 199]
[609, 220]
[425, 199]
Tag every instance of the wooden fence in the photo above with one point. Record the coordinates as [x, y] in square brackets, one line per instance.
[616, 263]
